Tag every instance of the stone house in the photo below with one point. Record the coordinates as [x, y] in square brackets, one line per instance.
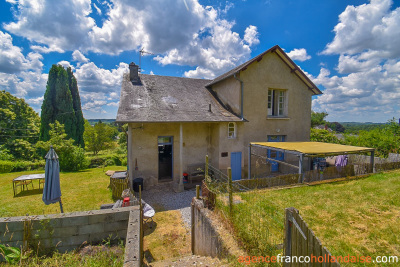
[174, 122]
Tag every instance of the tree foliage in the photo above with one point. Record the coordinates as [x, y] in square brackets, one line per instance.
[385, 139]
[19, 126]
[71, 158]
[318, 118]
[325, 136]
[76, 103]
[99, 137]
[62, 104]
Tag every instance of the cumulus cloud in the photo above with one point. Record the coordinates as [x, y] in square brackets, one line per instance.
[79, 57]
[11, 58]
[370, 26]
[366, 39]
[184, 33]
[299, 54]
[95, 79]
[65, 64]
[56, 25]
[251, 35]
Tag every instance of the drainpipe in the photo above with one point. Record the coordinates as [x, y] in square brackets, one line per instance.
[241, 95]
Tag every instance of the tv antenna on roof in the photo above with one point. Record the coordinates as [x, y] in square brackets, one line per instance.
[141, 53]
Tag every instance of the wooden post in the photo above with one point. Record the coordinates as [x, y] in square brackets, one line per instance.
[230, 190]
[181, 186]
[140, 196]
[192, 207]
[206, 168]
[301, 157]
[288, 233]
[371, 161]
[131, 167]
[249, 164]
[197, 191]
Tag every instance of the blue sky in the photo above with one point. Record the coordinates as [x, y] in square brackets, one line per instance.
[350, 49]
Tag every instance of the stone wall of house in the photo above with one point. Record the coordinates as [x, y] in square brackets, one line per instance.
[268, 73]
[198, 140]
[67, 231]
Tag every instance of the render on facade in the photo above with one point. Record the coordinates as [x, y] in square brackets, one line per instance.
[174, 122]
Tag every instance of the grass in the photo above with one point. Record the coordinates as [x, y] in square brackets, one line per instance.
[83, 190]
[92, 256]
[168, 238]
[358, 217]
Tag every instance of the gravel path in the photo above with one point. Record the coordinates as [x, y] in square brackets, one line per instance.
[163, 195]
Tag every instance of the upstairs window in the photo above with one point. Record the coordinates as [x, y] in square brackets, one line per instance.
[276, 103]
[231, 130]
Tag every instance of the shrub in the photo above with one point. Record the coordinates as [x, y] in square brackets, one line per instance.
[71, 158]
[17, 166]
[6, 166]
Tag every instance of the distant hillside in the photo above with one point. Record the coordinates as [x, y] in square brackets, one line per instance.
[107, 121]
[355, 127]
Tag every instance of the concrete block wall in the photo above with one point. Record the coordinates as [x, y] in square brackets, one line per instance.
[67, 231]
[206, 239]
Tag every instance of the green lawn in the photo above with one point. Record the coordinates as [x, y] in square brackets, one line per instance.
[83, 190]
[357, 217]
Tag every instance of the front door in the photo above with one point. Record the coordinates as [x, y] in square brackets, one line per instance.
[236, 165]
[165, 156]
[273, 154]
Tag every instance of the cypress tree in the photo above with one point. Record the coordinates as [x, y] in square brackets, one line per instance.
[76, 103]
[57, 104]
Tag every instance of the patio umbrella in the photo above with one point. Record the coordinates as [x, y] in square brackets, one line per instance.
[51, 189]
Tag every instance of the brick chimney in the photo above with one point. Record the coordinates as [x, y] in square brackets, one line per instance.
[133, 72]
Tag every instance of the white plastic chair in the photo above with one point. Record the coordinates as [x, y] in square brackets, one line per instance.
[148, 213]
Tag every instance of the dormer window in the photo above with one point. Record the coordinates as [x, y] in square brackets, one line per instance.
[231, 130]
[277, 103]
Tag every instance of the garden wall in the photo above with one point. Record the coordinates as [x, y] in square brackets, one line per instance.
[209, 237]
[67, 231]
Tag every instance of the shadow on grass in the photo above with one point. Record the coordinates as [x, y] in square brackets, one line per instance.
[149, 227]
[148, 256]
[30, 192]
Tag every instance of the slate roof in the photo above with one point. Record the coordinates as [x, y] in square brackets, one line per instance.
[279, 51]
[169, 99]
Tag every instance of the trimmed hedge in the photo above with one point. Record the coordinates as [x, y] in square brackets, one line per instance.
[108, 160]
[17, 166]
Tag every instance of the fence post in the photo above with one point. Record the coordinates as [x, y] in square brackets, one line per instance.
[372, 161]
[197, 191]
[230, 190]
[192, 211]
[141, 237]
[288, 233]
[206, 168]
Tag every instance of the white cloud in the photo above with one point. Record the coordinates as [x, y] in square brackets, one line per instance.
[45, 49]
[98, 10]
[366, 38]
[97, 104]
[59, 25]
[203, 38]
[370, 26]
[251, 35]
[113, 104]
[95, 79]
[79, 57]
[364, 95]
[65, 64]
[299, 54]
[11, 58]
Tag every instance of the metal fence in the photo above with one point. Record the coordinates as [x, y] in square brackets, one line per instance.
[255, 220]
[259, 229]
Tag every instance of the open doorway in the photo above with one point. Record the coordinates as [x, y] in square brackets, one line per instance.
[165, 158]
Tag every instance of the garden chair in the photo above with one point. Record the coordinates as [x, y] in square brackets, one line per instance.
[148, 213]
